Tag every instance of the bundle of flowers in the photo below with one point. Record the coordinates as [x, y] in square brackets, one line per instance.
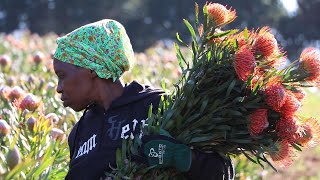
[235, 96]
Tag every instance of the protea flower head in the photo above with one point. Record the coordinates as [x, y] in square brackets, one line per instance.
[291, 105]
[308, 134]
[57, 134]
[282, 153]
[286, 128]
[258, 121]
[38, 57]
[5, 60]
[275, 95]
[244, 63]
[310, 63]
[30, 102]
[220, 14]
[4, 128]
[299, 93]
[13, 157]
[4, 92]
[16, 93]
[52, 117]
[31, 123]
[265, 43]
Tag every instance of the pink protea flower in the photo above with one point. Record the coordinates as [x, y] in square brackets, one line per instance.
[220, 14]
[5, 60]
[291, 105]
[258, 121]
[308, 134]
[29, 102]
[275, 95]
[265, 43]
[57, 134]
[282, 155]
[310, 63]
[4, 128]
[4, 92]
[31, 123]
[38, 57]
[286, 128]
[13, 157]
[16, 93]
[52, 117]
[244, 63]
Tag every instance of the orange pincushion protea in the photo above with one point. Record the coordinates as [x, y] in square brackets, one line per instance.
[286, 128]
[310, 62]
[244, 63]
[220, 14]
[275, 96]
[309, 133]
[291, 105]
[265, 43]
[281, 156]
[300, 94]
[258, 121]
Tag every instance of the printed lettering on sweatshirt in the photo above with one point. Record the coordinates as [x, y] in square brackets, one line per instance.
[118, 130]
[87, 146]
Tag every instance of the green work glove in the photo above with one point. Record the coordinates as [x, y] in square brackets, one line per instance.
[163, 151]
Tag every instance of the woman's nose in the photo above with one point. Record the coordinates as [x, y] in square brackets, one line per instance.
[59, 88]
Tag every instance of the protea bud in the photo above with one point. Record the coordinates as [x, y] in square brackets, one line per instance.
[29, 102]
[31, 122]
[310, 63]
[5, 60]
[16, 93]
[244, 63]
[265, 43]
[220, 14]
[13, 157]
[258, 121]
[38, 57]
[4, 128]
[52, 117]
[57, 134]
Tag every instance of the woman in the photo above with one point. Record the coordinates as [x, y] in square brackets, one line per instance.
[89, 62]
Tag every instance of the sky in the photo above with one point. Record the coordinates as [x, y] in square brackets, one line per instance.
[291, 6]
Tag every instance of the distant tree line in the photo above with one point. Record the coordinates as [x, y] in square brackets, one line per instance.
[150, 20]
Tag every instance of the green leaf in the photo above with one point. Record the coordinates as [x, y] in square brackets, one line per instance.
[225, 33]
[118, 159]
[196, 10]
[191, 30]
[231, 86]
[19, 168]
[43, 166]
[180, 56]
[245, 34]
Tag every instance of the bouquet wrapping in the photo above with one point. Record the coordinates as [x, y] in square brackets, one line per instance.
[236, 96]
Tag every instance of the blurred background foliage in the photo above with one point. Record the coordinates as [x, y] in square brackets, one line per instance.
[150, 20]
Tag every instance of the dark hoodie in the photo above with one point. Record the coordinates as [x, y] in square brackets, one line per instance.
[95, 138]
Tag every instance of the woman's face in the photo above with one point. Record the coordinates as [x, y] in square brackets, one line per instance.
[74, 85]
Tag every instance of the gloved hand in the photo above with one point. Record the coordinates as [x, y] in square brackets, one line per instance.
[163, 151]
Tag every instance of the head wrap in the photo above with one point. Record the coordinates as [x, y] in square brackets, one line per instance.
[102, 46]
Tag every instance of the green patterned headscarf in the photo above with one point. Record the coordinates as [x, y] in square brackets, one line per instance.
[103, 47]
